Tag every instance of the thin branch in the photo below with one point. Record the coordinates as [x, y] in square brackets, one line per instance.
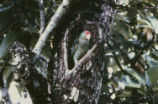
[80, 63]
[117, 61]
[51, 25]
[42, 16]
[65, 50]
[5, 8]
[120, 66]
[138, 55]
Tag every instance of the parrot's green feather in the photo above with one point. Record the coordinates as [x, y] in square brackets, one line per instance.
[74, 46]
[81, 47]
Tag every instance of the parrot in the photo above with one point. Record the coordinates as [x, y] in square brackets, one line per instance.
[82, 46]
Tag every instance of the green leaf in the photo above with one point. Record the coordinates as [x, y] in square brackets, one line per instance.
[125, 94]
[127, 82]
[6, 43]
[154, 23]
[151, 75]
[149, 60]
[135, 75]
[155, 53]
[132, 12]
[31, 29]
[120, 17]
[122, 30]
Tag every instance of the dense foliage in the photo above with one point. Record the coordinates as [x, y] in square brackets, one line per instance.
[131, 53]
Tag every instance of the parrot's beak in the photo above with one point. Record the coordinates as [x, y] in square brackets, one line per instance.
[88, 36]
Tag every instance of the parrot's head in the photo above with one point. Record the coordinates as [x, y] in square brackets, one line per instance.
[86, 35]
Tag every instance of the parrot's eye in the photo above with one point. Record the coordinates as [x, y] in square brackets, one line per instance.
[88, 36]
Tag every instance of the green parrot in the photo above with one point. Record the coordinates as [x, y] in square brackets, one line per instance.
[82, 46]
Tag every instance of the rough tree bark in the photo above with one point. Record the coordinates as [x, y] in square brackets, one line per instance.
[27, 76]
[80, 84]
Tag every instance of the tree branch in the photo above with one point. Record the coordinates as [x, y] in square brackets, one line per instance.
[118, 62]
[65, 51]
[42, 16]
[5, 8]
[138, 55]
[51, 25]
[26, 73]
[80, 63]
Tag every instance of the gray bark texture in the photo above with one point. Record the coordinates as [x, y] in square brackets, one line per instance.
[83, 86]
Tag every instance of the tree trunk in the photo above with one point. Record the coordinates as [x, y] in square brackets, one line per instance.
[80, 84]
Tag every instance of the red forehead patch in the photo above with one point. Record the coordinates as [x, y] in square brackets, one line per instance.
[87, 32]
